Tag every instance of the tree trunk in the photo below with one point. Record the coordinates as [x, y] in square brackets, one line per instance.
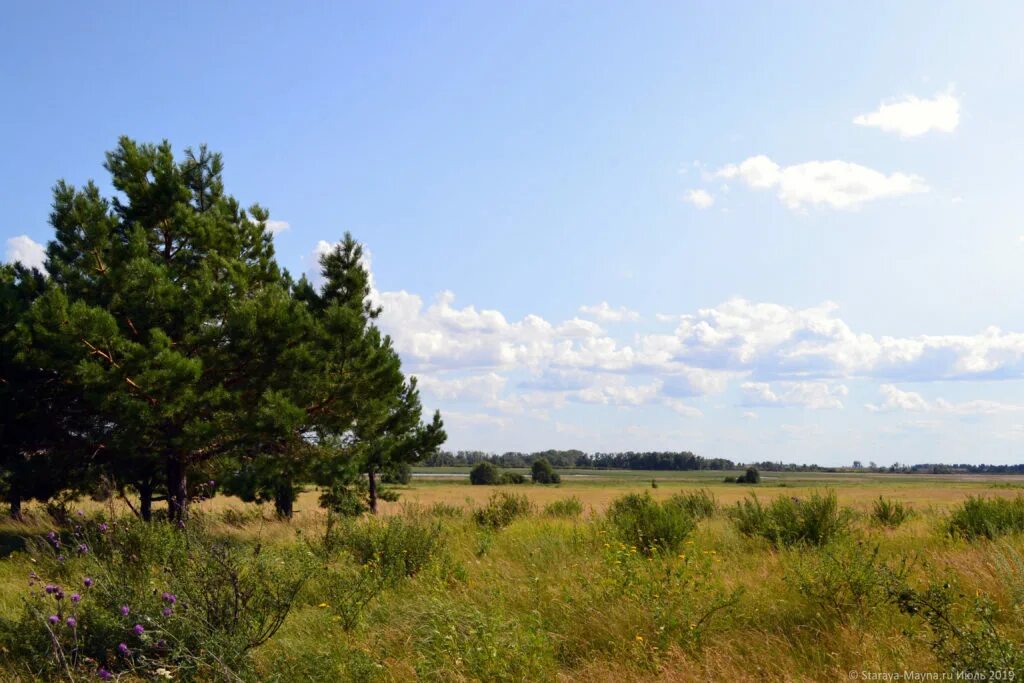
[373, 491]
[284, 498]
[146, 501]
[177, 491]
[14, 498]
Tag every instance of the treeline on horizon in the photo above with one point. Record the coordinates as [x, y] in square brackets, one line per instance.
[685, 460]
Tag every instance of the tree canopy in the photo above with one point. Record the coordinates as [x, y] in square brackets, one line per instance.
[164, 343]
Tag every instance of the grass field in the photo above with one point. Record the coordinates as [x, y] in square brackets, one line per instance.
[548, 598]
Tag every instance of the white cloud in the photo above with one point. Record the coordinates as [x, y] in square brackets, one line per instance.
[26, 250]
[913, 116]
[838, 184]
[276, 227]
[606, 314]
[484, 388]
[702, 199]
[813, 395]
[896, 399]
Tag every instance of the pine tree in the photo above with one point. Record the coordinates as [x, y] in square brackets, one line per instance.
[145, 286]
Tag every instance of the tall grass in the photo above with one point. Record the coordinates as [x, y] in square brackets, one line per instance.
[787, 521]
[979, 517]
[648, 525]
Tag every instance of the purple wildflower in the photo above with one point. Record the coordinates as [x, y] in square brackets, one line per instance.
[75, 597]
[104, 528]
[168, 611]
[82, 549]
[123, 649]
[124, 610]
[138, 629]
[50, 588]
[60, 558]
[211, 483]
[71, 622]
[88, 582]
[104, 674]
[80, 513]
[169, 597]
[54, 619]
[59, 594]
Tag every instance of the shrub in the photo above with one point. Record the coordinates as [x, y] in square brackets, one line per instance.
[566, 507]
[751, 476]
[640, 521]
[543, 473]
[501, 510]
[135, 598]
[399, 546]
[399, 473]
[511, 478]
[846, 581]
[699, 504]
[729, 480]
[445, 510]
[790, 521]
[979, 517]
[484, 474]
[890, 513]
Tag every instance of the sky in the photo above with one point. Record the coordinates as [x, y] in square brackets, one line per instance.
[756, 231]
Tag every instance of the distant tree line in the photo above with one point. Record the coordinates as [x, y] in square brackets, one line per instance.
[164, 354]
[683, 461]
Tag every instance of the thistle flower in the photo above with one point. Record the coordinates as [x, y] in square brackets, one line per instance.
[50, 588]
[88, 582]
[123, 649]
[71, 622]
[169, 597]
[59, 594]
[82, 549]
[168, 611]
[104, 674]
[124, 610]
[54, 619]
[104, 528]
[75, 597]
[138, 630]
[60, 558]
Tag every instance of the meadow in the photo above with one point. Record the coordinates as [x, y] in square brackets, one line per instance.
[604, 577]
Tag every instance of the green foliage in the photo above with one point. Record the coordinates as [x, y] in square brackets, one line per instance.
[400, 545]
[791, 521]
[570, 507]
[185, 602]
[751, 476]
[845, 582]
[698, 504]
[979, 517]
[501, 510]
[639, 521]
[890, 513]
[964, 638]
[512, 478]
[484, 474]
[464, 642]
[543, 473]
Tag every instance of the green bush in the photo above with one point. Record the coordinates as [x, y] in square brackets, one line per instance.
[484, 474]
[543, 473]
[751, 476]
[791, 521]
[501, 510]
[845, 582]
[890, 513]
[400, 546]
[640, 521]
[399, 473]
[511, 478]
[565, 507]
[129, 597]
[979, 517]
[699, 504]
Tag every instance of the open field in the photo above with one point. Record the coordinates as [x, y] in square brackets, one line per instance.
[569, 598]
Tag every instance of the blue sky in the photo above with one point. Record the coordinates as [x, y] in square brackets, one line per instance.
[785, 232]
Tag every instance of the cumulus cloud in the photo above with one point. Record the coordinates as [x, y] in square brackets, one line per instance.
[813, 395]
[835, 183]
[896, 399]
[277, 226]
[26, 250]
[606, 314]
[913, 116]
[702, 199]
